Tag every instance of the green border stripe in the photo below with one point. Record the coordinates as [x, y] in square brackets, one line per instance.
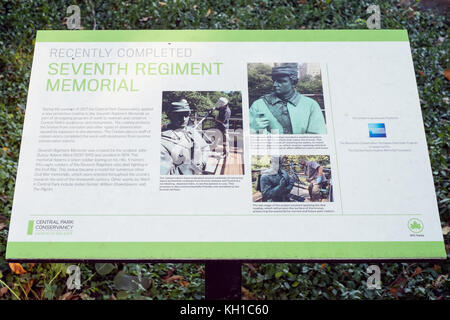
[225, 250]
[30, 227]
[219, 35]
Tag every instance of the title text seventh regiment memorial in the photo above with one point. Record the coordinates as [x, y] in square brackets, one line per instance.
[78, 71]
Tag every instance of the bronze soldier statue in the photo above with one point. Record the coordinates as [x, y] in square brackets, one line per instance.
[275, 184]
[285, 111]
[183, 149]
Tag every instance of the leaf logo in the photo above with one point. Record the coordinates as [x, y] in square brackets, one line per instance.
[415, 225]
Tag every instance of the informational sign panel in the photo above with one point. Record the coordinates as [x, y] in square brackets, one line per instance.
[224, 145]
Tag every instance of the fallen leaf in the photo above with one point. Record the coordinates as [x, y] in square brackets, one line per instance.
[246, 294]
[447, 74]
[445, 230]
[66, 296]
[162, 4]
[200, 269]
[208, 13]
[323, 265]
[17, 268]
[440, 280]
[411, 13]
[3, 291]
[28, 286]
[171, 271]
[144, 19]
[394, 291]
[84, 296]
[173, 278]
[184, 283]
[5, 149]
[416, 272]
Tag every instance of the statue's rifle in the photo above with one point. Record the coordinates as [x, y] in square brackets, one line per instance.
[205, 136]
[205, 117]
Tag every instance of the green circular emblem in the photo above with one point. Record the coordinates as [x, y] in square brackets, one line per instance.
[415, 225]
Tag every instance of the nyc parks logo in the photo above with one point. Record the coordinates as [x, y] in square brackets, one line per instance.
[415, 225]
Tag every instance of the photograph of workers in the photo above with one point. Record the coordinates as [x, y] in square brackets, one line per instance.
[286, 98]
[291, 178]
[201, 133]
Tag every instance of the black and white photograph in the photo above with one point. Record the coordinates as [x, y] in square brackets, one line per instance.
[291, 178]
[201, 133]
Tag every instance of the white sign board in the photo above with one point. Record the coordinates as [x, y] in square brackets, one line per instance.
[224, 145]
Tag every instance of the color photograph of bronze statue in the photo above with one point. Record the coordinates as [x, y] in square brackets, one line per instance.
[201, 133]
[291, 178]
[286, 98]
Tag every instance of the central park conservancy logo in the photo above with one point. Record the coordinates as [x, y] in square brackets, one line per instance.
[415, 225]
[50, 226]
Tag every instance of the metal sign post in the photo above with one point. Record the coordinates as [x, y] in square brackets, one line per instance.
[223, 280]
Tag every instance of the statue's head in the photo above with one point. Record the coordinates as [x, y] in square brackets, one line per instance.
[285, 78]
[178, 113]
[283, 70]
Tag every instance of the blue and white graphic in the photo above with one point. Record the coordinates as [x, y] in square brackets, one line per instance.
[377, 130]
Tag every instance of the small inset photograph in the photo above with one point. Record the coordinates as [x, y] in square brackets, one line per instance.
[201, 133]
[305, 178]
[286, 98]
